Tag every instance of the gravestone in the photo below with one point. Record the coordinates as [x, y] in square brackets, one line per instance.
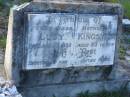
[63, 48]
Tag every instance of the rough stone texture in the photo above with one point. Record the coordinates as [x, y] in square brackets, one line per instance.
[72, 90]
[8, 89]
[58, 80]
[128, 86]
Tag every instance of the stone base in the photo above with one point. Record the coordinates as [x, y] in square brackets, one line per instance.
[72, 89]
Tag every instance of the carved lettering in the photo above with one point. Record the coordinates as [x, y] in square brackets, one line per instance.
[63, 40]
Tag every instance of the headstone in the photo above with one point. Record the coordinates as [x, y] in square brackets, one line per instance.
[63, 48]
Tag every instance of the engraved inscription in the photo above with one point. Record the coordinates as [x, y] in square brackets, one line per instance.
[58, 40]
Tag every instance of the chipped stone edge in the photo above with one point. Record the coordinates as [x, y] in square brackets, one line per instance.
[20, 7]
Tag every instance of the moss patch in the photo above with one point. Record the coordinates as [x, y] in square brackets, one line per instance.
[3, 42]
[122, 52]
[112, 1]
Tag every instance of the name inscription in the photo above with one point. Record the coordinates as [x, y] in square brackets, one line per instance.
[58, 40]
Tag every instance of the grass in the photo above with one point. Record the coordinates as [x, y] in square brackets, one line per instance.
[127, 37]
[22, 1]
[112, 1]
[125, 4]
[127, 33]
[3, 42]
[1, 5]
[122, 52]
[128, 41]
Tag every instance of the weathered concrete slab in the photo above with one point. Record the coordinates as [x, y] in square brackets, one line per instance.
[16, 37]
[16, 56]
